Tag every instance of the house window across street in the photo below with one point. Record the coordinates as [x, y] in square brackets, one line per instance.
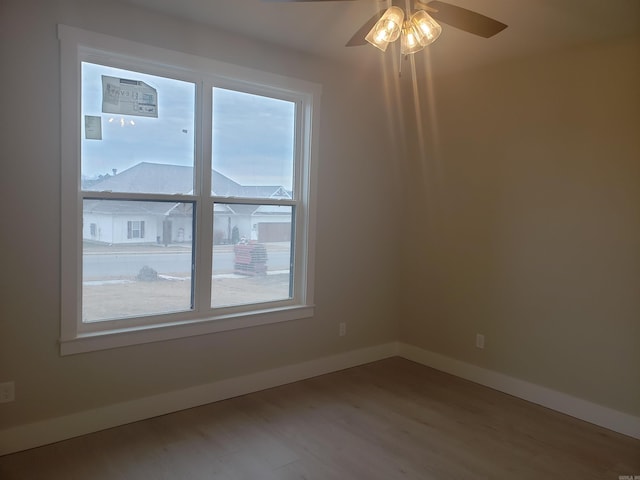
[135, 230]
[188, 194]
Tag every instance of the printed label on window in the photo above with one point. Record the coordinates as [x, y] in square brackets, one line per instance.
[128, 97]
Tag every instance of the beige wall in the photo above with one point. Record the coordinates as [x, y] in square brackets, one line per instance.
[524, 222]
[521, 221]
[354, 283]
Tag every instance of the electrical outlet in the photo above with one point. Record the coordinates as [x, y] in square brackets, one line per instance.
[342, 330]
[7, 392]
[479, 340]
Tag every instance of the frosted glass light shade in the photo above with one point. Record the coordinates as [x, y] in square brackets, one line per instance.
[429, 28]
[411, 39]
[387, 29]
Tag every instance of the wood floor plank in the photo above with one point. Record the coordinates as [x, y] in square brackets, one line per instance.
[387, 420]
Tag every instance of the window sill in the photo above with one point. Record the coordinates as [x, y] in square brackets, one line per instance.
[106, 339]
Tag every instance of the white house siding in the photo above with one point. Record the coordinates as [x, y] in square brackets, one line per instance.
[181, 229]
[120, 228]
[101, 231]
[221, 228]
[243, 222]
[113, 229]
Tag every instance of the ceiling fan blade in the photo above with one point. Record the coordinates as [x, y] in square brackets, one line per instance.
[358, 37]
[466, 20]
[301, 1]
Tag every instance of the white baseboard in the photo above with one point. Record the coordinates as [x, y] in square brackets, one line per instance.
[36, 434]
[576, 407]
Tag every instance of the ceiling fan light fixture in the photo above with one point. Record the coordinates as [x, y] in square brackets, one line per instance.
[387, 29]
[429, 28]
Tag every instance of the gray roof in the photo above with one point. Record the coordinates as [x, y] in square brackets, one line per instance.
[147, 177]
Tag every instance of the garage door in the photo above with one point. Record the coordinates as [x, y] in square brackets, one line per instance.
[274, 232]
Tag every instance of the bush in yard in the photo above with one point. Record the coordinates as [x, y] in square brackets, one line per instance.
[147, 274]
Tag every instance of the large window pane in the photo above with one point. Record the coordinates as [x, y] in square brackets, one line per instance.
[136, 258]
[251, 254]
[138, 132]
[253, 145]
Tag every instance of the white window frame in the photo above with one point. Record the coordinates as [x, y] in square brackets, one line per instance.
[76, 336]
[131, 229]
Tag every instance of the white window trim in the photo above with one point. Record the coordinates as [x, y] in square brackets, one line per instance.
[76, 337]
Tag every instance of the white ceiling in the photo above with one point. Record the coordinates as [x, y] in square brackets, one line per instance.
[323, 27]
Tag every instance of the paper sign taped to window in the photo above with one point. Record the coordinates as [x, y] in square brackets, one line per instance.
[128, 97]
[92, 127]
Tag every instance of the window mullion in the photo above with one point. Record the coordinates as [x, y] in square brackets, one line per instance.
[204, 227]
[144, 197]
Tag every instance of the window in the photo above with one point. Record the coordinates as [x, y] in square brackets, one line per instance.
[135, 229]
[195, 180]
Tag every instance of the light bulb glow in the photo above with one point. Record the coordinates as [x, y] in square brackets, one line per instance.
[411, 39]
[388, 32]
[430, 29]
[387, 29]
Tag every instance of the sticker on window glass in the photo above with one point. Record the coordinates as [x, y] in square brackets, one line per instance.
[128, 97]
[92, 127]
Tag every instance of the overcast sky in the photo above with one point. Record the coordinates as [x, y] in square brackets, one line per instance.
[252, 135]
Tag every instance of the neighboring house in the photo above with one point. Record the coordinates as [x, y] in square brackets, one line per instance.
[126, 222]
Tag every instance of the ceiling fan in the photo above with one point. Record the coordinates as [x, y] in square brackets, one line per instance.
[419, 29]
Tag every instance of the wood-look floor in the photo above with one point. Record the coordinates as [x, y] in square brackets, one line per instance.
[391, 419]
